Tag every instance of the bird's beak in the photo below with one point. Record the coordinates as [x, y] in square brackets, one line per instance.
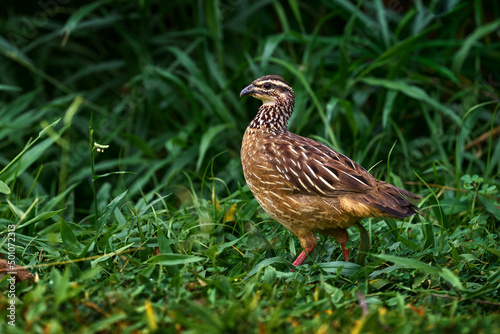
[247, 90]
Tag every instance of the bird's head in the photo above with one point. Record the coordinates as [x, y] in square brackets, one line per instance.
[270, 89]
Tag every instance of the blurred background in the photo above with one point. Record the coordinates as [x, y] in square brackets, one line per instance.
[161, 81]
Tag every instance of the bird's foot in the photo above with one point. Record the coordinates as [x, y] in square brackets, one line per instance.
[302, 256]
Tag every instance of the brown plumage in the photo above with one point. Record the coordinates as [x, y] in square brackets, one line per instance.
[305, 185]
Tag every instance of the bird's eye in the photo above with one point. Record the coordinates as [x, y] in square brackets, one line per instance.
[267, 85]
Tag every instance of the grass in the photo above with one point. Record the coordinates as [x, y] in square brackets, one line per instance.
[119, 151]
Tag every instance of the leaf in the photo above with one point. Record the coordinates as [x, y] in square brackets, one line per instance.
[461, 55]
[111, 321]
[76, 17]
[140, 144]
[107, 256]
[12, 52]
[108, 210]
[206, 140]
[59, 198]
[41, 217]
[70, 242]
[100, 176]
[268, 262]
[9, 88]
[490, 206]
[225, 245]
[364, 244]
[379, 283]
[4, 189]
[29, 154]
[414, 92]
[429, 236]
[346, 268]
[18, 212]
[415, 264]
[496, 275]
[385, 271]
[382, 21]
[353, 10]
[212, 15]
[174, 259]
[270, 275]
[270, 47]
[388, 106]
[404, 47]
[409, 263]
[144, 209]
[29, 158]
[61, 283]
[443, 70]
[493, 251]
[163, 242]
[448, 275]
[436, 206]
[294, 5]
[48, 128]
[212, 322]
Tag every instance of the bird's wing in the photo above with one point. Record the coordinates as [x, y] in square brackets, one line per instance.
[313, 168]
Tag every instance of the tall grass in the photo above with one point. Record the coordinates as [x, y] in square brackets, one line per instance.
[120, 129]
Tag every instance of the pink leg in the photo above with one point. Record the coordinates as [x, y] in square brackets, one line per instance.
[345, 251]
[302, 256]
[341, 236]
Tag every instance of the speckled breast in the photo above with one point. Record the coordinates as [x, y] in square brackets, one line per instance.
[276, 196]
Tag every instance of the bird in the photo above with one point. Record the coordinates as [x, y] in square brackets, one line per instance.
[305, 185]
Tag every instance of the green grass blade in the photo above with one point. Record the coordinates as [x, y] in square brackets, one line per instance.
[480, 32]
[412, 92]
[206, 141]
[444, 273]
[175, 259]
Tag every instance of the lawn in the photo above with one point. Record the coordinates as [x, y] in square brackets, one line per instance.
[122, 199]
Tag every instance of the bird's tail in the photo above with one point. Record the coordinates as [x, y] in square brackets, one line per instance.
[396, 201]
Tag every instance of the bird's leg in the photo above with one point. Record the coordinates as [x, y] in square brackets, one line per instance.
[302, 256]
[308, 242]
[342, 237]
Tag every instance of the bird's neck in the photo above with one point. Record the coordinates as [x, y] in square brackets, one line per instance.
[273, 116]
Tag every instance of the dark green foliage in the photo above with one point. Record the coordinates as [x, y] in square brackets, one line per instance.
[120, 128]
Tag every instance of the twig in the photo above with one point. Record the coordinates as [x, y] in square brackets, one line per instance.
[484, 137]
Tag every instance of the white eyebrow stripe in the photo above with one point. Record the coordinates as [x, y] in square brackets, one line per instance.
[274, 82]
